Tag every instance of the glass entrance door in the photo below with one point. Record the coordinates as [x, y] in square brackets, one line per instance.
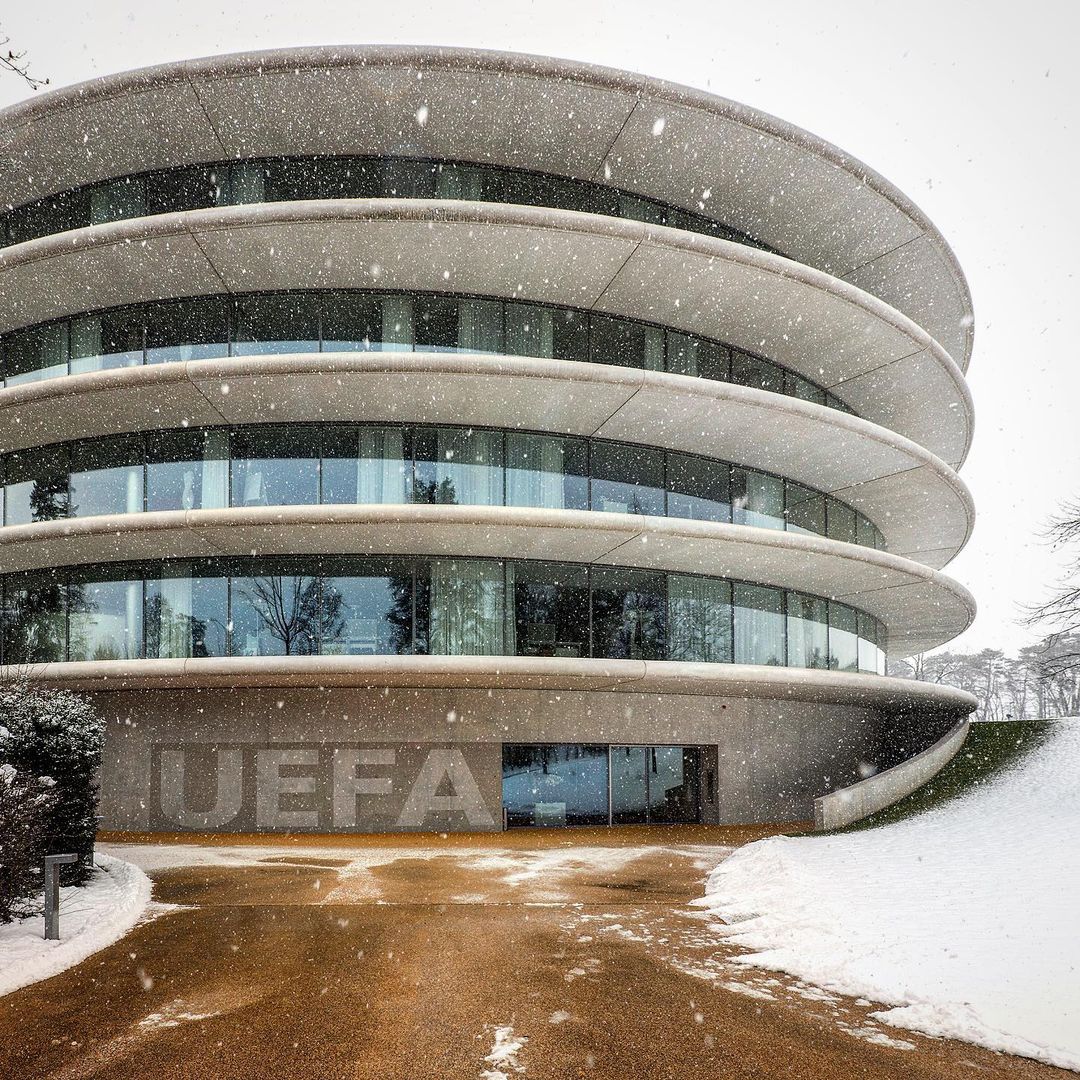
[629, 785]
[674, 785]
[655, 785]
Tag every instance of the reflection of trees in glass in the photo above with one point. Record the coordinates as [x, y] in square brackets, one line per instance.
[35, 623]
[399, 617]
[49, 498]
[629, 625]
[166, 627]
[432, 491]
[289, 609]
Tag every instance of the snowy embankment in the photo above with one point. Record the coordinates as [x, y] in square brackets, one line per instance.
[91, 917]
[963, 918]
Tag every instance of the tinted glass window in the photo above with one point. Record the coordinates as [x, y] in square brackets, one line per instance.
[186, 330]
[276, 324]
[626, 344]
[843, 524]
[187, 470]
[627, 479]
[107, 476]
[365, 464]
[693, 356]
[277, 612]
[547, 471]
[275, 466]
[867, 533]
[192, 187]
[674, 778]
[58, 213]
[808, 631]
[40, 352]
[699, 619]
[367, 609]
[468, 613]
[843, 638]
[117, 200]
[436, 323]
[186, 615]
[805, 510]
[105, 620]
[757, 499]
[798, 387]
[109, 340]
[698, 488]
[751, 371]
[37, 486]
[551, 610]
[629, 614]
[35, 622]
[352, 322]
[458, 465]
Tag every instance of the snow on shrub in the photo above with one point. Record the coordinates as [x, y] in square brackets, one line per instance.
[25, 805]
[50, 751]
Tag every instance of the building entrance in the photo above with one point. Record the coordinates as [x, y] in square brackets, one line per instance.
[595, 784]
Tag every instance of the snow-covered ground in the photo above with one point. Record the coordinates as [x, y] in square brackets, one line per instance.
[966, 918]
[91, 917]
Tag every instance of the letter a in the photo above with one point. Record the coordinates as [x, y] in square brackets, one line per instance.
[441, 767]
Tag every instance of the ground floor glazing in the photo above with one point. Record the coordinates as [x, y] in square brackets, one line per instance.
[594, 784]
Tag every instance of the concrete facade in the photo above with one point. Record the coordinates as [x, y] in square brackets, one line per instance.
[864, 300]
[343, 758]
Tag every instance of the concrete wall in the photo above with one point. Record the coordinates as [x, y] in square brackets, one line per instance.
[374, 759]
[851, 804]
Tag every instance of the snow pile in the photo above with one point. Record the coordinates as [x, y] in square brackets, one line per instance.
[964, 918]
[91, 917]
[504, 1054]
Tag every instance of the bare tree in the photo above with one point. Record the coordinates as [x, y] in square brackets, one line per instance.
[1042, 680]
[292, 610]
[938, 668]
[1061, 612]
[17, 63]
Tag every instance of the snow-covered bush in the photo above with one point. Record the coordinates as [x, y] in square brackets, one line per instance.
[52, 740]
[25, 805]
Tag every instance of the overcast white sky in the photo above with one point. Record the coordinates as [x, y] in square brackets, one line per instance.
[969, 107]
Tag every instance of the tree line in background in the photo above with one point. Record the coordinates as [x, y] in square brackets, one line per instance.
[1041, 681]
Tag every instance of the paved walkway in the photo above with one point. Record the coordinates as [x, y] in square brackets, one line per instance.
[531, 955]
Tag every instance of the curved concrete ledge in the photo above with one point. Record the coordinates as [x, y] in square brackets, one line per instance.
[924, 510]
[921, 608]
[850, 804]
[803, 196]
[879, 361]
[502, 672]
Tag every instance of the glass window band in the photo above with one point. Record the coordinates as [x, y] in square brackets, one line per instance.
[360, 464]
[342, 605]
[264, 180]
[266, 323]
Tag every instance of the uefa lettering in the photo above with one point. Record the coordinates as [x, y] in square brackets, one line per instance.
[319, 787]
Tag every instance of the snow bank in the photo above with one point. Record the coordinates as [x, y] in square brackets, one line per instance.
[963, 918]
[91, 918]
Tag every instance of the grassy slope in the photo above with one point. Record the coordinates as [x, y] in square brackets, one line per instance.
[988, 750]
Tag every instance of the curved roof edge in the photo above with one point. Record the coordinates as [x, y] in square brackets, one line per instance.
[643, 88]
[499, 672]
[860, 342]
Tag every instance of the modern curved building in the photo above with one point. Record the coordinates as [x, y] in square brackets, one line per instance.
[404, 438]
